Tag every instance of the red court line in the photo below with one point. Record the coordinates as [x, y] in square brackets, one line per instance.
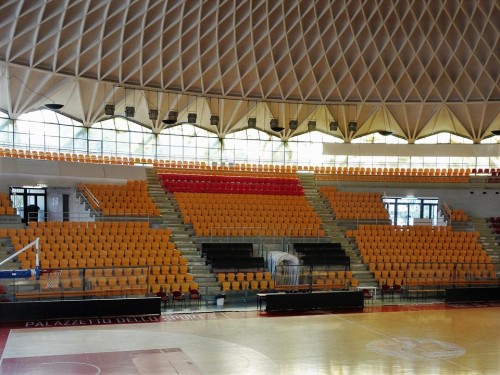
[171, 360]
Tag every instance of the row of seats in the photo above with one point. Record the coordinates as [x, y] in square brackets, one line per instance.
[452, 237]
[434, 272]
[355, 205]
[119, 279]
[243, 276]
[150, 250]
[486, 171]
[257, 202]
[350, 196]
[5, 205]
[90, 234]
[278, 230]
[427, 252]
[417, 243]
[94, 225]
[389, 248]
[30, 263]
[392, 178]
[119, 190]
[439, 278]
[238, 202]
[220, 187]
[458, 215]
[133, 257]
[178, 164]
[227, 178]
[165, 165]
[466, 262]
[415, 235]
[185, 287]
[71, 157]
[406, 230]
[103, 238]
[169, 278]
[244, 285]
[394, 171]
[118, 200]
[344, 275]
[330, 282]
[252, 216]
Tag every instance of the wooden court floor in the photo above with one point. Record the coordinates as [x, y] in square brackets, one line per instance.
[411, 339]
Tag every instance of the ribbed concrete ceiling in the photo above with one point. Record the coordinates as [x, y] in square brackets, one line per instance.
[415, 67]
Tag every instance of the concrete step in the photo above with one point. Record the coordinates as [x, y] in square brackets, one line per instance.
[181, 239]
[194, 261]
[363, 274]
[199, 268]
[188, 249]
[176, 227]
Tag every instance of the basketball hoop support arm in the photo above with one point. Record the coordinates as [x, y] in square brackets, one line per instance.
[37, 257]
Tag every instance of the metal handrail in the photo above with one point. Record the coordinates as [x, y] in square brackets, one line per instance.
[89, 197]
[447, 211]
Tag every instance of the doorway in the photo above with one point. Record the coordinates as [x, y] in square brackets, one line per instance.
[404, 210]
[29, 202]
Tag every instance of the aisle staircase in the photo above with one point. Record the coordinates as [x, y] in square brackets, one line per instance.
[334, 232]
[182, 235]
[489, 240]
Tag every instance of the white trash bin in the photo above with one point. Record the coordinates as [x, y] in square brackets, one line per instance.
[219, 299]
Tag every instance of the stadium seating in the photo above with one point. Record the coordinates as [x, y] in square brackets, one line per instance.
[250, 205]
[130, 199]
[109, 251]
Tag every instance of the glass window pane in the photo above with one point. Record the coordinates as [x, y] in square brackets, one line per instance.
[80, 146]
[108, 135]
[52, 144]
[95, 147]
[95, 133]
[80, 132]
[124, 124]
[61, 119]
[122, 148]
[109, 124]
[52, 129]
[49, 116]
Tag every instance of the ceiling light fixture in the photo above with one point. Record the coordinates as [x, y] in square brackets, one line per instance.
[275, 125]
[252, 122]
[53, 106]
[171, 118]
[129, 111]
[192, 118]
[109, 109]
[153, 114]
[385, 133]
[214, 120]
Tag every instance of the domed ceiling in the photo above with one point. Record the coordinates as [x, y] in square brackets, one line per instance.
[413, 68]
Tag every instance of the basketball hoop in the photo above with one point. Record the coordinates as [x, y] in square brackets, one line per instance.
[53, 278]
